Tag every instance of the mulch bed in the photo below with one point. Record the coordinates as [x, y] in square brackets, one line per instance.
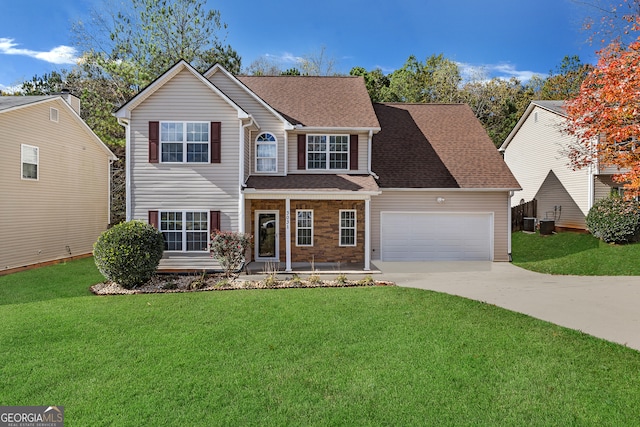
[163, 283]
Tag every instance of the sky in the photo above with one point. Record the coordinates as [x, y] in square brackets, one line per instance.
[505, 38]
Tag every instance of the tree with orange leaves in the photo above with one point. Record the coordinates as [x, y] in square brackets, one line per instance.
[605, 116]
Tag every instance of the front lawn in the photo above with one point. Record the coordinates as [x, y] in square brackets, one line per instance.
[325, 356]
[574, 253]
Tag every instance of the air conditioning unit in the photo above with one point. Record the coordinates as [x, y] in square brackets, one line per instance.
[547, 226]
[529, 224]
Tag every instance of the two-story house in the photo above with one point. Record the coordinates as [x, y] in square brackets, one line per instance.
[54, 181]
[536, 151]
[313, 170]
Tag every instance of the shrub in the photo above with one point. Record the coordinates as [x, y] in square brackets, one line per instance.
[614, 220]
[228, 248]
[129, 253]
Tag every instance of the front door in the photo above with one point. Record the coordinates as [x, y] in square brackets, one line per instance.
[267, 236]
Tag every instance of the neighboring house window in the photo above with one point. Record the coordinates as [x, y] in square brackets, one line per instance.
[328, 152]
[29, 160]
[184, 142]
[185, 231]
[304, 228]
[266, 153]
[347, 228]
[53, 114]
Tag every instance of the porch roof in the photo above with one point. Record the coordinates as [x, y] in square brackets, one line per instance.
[314, 183]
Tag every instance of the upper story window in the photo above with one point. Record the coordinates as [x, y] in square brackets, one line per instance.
[29, 159]
[329, 152]
[266, 153]
[184, 142]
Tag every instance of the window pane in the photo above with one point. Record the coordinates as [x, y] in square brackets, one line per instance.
[197, 221]
[317, 161]
[197, 132]
[266, 165]
[30, 154]
[29, 171]
[266, 137]
[198, 153]
[266, 150]
[171, 152]
[197, 241]
[170, 221]
[170, 132]
[172, 241]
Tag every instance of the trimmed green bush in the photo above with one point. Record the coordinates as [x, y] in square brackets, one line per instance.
[615, 220]
[129, 253]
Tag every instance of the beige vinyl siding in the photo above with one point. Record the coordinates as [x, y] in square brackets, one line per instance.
[554, 202]
[188, 186]
[603, 185]
[65, 210]
[266, 119]
[363, 152]
[455, 202]
[538, 148]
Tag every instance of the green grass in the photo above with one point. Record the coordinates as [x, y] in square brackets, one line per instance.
[348, 356]
[574, 253]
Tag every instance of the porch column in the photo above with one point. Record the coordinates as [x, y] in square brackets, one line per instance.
[367, 234]
[287, 239]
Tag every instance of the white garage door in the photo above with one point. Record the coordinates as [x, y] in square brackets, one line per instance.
[420, 236]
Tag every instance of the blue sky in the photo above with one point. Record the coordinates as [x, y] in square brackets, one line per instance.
[504, 37]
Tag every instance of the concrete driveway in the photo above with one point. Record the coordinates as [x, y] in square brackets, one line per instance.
[605, 307]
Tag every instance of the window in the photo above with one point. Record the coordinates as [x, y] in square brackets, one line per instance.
[347, 228]
[304, 228]
[53, 114]
[185, 231]
[29, 160]
[328, 152]
[184, 142]
[266, 153]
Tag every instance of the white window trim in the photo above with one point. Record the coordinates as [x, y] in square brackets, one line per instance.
[184, 142]
[328, 152]
[54, 114]
[184, 230]
[304, 228]
[22, 162]
[355, 227]
[274, 143]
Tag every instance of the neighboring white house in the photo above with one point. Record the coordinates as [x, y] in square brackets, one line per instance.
[313, 170]
[536, 152]
[54, 181]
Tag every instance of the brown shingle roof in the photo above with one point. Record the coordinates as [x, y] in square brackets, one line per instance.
[313, 182]
[341, 102]
[436, 146]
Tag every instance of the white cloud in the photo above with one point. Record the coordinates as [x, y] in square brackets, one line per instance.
[286, 58]
[57, 55]
[501, 71]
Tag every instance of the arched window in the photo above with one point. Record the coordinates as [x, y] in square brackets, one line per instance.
[266, 153]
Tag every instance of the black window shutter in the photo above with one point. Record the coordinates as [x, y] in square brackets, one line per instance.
[353, 152]
[302, 151]
[154, 138]
[216, 143]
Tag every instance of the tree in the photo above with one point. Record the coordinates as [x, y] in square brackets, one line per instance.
[375, 81]
[134, 42]
[611, 21]
[605, 116]
[564, 82]
[318, 64]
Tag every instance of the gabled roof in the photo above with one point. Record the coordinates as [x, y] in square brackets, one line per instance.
[556, 107]
[436, 146]
[12, 103]
[125, 110]
[317, 102]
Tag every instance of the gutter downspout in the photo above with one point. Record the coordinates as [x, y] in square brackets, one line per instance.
[369, 150]
[509, 225]
[127, 167]
[241, 210]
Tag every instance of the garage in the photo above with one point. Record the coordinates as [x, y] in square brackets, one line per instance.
[426, 236]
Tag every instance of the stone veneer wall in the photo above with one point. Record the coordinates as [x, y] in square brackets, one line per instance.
[326, 229]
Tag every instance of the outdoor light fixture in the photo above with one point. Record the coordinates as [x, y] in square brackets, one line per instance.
[440, 200]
